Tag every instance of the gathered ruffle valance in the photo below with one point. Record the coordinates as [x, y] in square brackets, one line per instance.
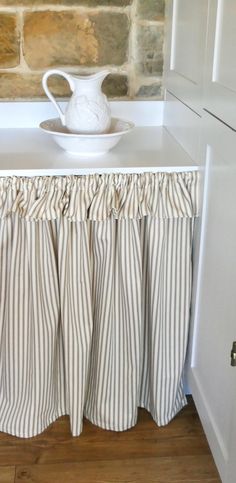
[98, 197]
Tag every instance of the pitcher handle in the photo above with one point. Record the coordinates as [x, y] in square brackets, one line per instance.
[69, 79]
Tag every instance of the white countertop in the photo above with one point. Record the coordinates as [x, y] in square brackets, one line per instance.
[25, 150]
[31, 152]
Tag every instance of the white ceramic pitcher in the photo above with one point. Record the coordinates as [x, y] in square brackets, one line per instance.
[88, 110]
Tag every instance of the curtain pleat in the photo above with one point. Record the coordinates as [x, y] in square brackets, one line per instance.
[167, 279]
[95, 292]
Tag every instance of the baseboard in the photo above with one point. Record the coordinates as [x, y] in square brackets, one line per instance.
[214, 438]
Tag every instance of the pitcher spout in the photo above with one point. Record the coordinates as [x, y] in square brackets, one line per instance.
[101, 75]
[97, 77]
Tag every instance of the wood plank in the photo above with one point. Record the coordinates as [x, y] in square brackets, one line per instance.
[98, 452]
[211, 480]
[78, 450]
[152, 470]
[7, 474]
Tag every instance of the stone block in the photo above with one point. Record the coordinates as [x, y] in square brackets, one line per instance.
[62, 38]
[151, 9]
[112, 34]
[150, 49]
[153, 90]
[9, 41]
[115, 85]
[88, 3]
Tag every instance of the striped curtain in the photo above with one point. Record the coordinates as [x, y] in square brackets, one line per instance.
[95, 291]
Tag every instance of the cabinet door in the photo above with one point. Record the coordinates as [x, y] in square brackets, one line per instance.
[212, 379]
[185, 48]
[220, 94]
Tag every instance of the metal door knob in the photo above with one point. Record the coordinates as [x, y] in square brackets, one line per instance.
[233, 354]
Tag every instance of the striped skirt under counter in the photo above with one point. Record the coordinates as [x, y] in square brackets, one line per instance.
[95, 293]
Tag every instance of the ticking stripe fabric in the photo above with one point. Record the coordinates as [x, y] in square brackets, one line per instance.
[95, 291]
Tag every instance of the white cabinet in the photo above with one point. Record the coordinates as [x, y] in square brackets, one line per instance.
[185, 50]
[200, 73]
[220, 88]
[212, 379]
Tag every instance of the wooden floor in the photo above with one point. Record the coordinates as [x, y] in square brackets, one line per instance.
[145, 454]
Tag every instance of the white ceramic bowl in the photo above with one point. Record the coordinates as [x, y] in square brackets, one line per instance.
[86, 144]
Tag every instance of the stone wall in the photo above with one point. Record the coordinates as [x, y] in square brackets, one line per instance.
[81, 36]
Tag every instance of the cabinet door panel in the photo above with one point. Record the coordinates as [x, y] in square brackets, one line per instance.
[220, 94]
[186, 32]
[185, 48]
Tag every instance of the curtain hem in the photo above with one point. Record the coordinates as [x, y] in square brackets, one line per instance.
[106, 427]
[168, 419]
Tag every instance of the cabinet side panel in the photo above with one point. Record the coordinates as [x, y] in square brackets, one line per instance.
[183, 124]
